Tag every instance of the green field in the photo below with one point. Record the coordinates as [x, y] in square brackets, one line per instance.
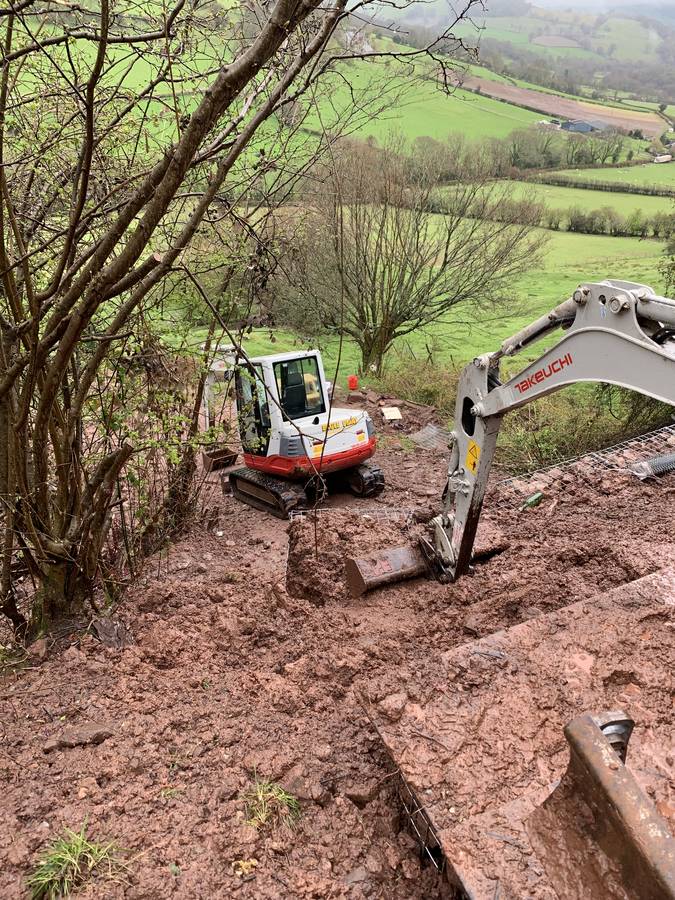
[615, 36]
[662, 175]
[420, 109]
[511, 29]
[568, 260]
[629, 38]
[520, 33]
[652, 104]
[564, 198]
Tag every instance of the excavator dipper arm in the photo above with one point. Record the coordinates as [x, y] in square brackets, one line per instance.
[615, 332]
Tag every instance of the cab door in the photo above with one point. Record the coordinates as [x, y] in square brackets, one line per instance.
[253, 414]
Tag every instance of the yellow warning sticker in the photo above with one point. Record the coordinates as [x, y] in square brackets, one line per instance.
[472, 457]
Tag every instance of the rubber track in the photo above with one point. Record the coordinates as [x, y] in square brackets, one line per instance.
[279, 497]
[373, 479]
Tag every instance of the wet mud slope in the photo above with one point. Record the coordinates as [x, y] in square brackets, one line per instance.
[250, 658]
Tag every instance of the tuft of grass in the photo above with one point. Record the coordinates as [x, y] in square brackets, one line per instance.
[244, 867]
[169, 793]
[68, 862]
[406, 444]
[267, 802]
[177, 762]
[230, 577]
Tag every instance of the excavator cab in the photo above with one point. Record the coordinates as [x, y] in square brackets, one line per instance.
[253, 413]
[290, 432]
[299, 387]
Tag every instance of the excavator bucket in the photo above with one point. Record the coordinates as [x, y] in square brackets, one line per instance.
[502, 805]
[364, 573]
[613, 834]
[373, 570]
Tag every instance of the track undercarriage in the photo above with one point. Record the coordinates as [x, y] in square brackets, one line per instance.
[281, 497]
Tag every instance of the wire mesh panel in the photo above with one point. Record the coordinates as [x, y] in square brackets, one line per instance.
[419, 825]
[619, 457]
[378, 513]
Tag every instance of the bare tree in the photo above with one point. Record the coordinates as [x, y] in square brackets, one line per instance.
[384, 255]
[121, 127]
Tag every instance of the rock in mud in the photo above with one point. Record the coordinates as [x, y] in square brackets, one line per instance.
[392, 706]
[356, 876]
[38, 649]
[361, 793]
[78, 737]
[112, 633]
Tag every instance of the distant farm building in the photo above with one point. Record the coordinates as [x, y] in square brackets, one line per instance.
[578, 126]
[663, 158]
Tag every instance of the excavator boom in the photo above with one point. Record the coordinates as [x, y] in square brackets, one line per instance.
[615, 332]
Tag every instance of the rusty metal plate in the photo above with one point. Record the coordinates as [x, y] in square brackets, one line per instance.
[367, 572]
[598, 834]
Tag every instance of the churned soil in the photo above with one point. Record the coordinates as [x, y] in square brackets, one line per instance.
[249, 659]
[478, 735]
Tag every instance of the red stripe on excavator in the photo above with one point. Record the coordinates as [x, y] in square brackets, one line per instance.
[299, 466]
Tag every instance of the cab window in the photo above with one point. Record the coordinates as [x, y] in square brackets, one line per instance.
[253, 409]
[299, 385]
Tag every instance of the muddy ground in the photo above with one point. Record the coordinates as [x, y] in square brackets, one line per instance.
[231, 675]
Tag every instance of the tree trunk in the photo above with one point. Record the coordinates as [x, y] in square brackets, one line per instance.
[373, 349]
[7, 496]
[178, 505]
[61, 594]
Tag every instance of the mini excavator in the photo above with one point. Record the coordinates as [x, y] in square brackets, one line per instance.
[296, 444]
[616, 332]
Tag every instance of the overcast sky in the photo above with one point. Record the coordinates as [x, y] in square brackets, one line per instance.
[600, 4]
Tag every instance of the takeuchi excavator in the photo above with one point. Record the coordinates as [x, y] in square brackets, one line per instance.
[296, 444]
[616, 332]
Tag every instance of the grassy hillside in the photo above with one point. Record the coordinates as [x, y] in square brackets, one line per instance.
[629, 38]
[522, 32]
[571, 35]
[649, 174]
[568, 260]
[418, 107]
[563, 198]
